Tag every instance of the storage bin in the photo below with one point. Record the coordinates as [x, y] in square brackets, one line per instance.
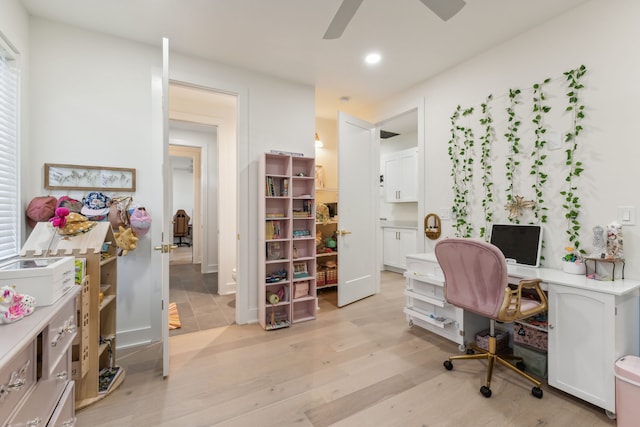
[332, 276]
[535, 362]
[532, 335]
[502, 340]
[627, 370]
[321, 278]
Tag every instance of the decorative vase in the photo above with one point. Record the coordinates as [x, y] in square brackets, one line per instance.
[574, 267]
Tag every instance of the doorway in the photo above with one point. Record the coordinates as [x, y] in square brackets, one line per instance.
[199, 142]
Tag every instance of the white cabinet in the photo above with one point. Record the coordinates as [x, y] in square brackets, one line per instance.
[426, 306]
[397, 244]
[401, 176]
[588, 332]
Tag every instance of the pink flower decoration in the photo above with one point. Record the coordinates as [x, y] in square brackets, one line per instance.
[60, 219]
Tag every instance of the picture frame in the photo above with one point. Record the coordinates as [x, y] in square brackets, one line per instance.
[79, 177]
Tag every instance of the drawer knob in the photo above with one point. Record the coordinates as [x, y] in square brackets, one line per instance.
[34, 422]
[17, 381]
[62, 375]
[69, 423]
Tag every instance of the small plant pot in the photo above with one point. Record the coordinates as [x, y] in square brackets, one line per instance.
[574, 267]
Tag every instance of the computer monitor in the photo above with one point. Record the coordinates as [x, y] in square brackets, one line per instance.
[521, 244]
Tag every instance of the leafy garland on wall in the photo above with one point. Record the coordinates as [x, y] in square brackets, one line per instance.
[571, 199]
[462, 170]
[462, 162]
[539, 108]
[512, 159]
[486, 139]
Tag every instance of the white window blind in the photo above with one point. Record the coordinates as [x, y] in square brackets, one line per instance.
[9, 184]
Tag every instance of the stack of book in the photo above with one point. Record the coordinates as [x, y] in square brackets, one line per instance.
[107, 378]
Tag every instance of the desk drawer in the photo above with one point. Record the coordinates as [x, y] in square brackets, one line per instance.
[58, 337]
[423, 270]
[16, 379]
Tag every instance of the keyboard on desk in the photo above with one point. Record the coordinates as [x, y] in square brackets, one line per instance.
[522, 272]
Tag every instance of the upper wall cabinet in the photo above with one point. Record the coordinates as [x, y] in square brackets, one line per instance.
[401, 176]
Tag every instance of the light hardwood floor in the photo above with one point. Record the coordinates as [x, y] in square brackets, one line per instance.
[359, 365]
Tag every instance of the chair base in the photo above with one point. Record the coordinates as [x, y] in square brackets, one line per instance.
[181, 243]
[502, 359]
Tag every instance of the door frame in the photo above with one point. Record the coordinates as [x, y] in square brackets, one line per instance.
[242, 201]
[390, 114]
[195, 154]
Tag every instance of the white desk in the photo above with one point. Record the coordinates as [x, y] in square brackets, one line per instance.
[591, 323]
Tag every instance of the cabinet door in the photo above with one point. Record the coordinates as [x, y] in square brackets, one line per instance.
[397, 244]
[582, 344]
[392, 173]
[407, 245]
[401, 176]
[390, 252]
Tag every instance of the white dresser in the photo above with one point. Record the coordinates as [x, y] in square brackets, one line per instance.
[426, 307]
[35, 366]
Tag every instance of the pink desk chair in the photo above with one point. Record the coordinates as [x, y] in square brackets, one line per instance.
[476, 280]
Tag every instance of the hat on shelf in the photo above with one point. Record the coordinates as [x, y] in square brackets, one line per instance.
[140, 221]
[40, 209]
[72, 204]
[76, 224]
[96, 204]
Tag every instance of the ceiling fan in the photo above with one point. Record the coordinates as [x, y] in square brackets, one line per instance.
[445, 9]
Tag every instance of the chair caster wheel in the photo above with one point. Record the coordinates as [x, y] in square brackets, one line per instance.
[470, 351]
[520, 365]
[486, 391]
[537, 392]
[447, 364]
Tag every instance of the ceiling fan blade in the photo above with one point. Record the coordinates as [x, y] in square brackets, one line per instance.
[342, 18]
[445, 9]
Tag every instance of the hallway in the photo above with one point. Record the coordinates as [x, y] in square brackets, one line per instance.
[196, 296]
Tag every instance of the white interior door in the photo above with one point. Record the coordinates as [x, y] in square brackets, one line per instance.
[358, 275]
[167, 217]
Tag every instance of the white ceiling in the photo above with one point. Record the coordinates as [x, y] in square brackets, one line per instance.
[284, 37]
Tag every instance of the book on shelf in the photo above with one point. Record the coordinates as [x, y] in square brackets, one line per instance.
[271, 188]
[107, 378]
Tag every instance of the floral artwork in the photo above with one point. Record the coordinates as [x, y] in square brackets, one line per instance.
[89, 177]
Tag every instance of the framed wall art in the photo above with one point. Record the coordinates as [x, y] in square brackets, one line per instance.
[76, 177]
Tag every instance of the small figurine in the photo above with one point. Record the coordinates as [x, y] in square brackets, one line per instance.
[599, 244]
[614, 241]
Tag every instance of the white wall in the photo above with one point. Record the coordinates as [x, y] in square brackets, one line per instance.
[91, 97]
[183, 190]
[599, 35]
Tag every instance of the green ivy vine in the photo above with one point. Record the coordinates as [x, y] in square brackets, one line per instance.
[537, 156]
[460, 153]
[514, 148]
[571, 199]
[485, 162]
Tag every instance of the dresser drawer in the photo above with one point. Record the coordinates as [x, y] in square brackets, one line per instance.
[16, 379]
[58, 337]
[37, 409]
[64, 416]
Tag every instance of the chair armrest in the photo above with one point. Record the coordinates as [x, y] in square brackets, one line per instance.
[515, 307]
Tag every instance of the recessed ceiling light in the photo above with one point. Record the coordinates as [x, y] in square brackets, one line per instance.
[373, 58]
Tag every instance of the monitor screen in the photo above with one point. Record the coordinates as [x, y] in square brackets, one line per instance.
[521, 244]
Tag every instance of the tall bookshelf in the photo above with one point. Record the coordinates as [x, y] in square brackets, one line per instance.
[287, 292]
